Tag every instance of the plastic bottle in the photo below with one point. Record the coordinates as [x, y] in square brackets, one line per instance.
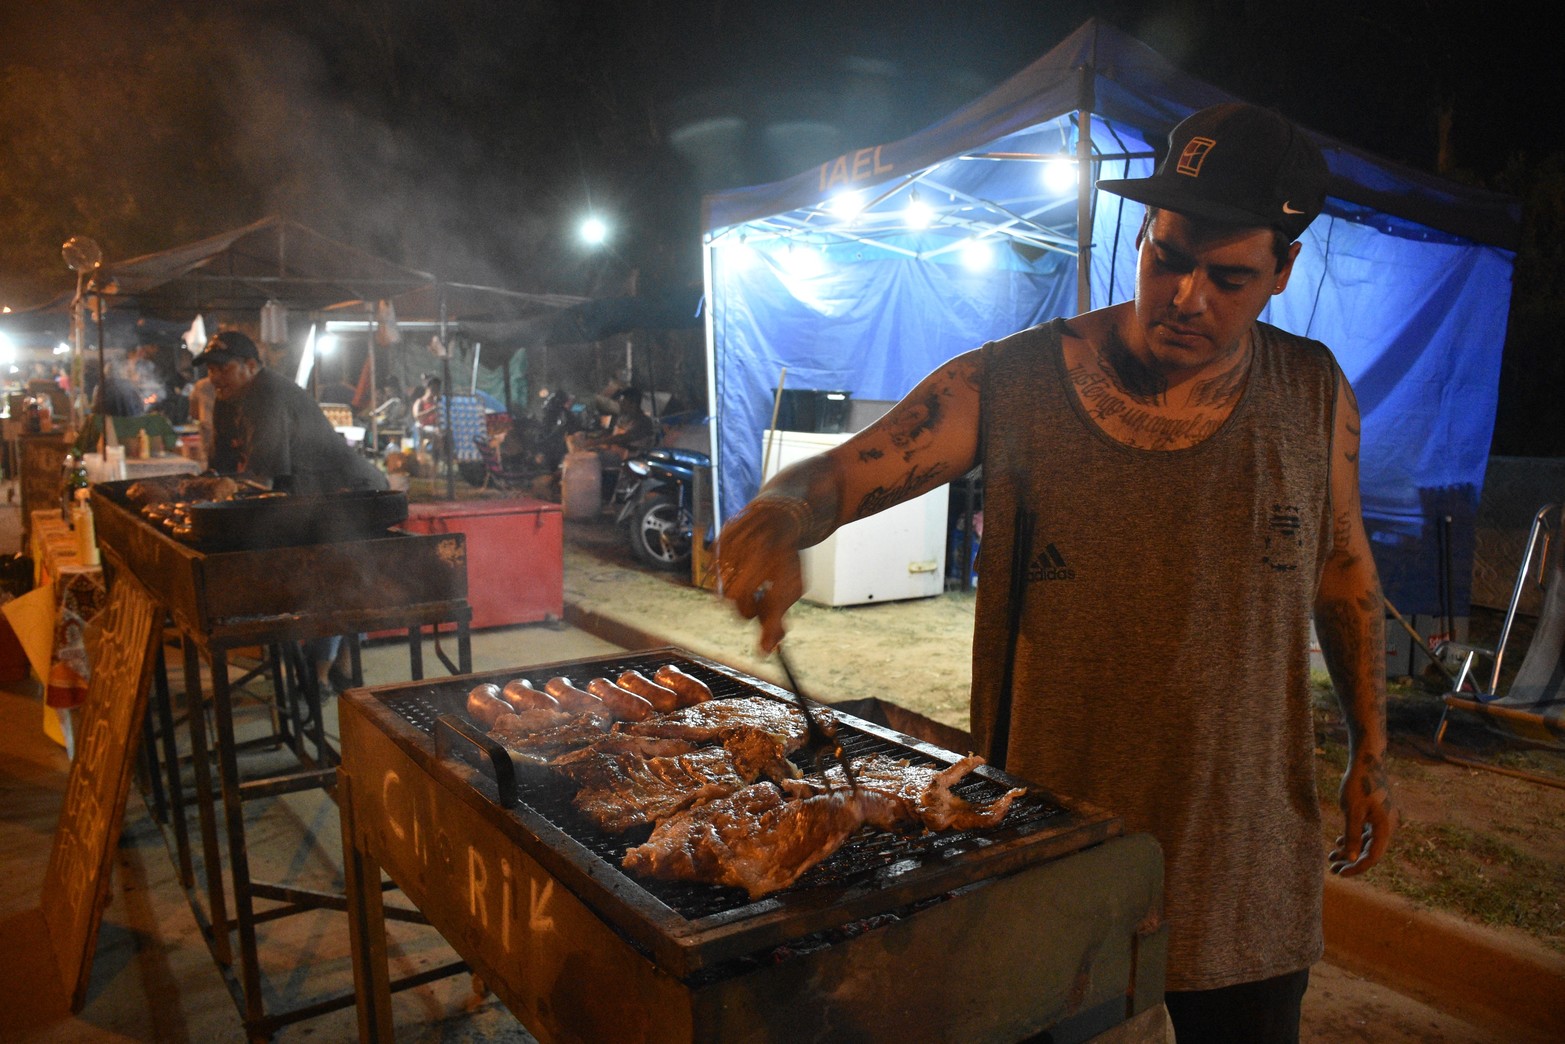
[143, 444]
[86, 534]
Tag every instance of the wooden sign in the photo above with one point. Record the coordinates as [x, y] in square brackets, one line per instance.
[76, 886]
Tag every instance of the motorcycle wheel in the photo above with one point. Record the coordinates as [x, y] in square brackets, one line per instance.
[660, 532]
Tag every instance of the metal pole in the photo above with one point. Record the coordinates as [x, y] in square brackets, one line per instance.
[448, 436]
[374, 428]
[1084, 202]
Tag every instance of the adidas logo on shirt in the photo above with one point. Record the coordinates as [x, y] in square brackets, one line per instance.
[1049, 564]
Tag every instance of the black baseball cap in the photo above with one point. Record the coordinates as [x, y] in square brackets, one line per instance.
[225, 346]
[1236, 164]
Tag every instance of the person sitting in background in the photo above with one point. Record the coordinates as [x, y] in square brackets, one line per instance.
[633, 431]
[426, 408]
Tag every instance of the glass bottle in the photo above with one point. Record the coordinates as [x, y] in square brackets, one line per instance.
[75, 479]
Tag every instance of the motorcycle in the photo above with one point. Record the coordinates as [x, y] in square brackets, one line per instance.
[656, 505]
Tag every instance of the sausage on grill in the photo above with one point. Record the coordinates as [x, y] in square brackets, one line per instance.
[485, 705]
[661, 697]
[577, 701]
[521, 695]
[622, 703]
[690, 690]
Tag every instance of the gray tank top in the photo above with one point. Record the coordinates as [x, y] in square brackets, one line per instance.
[1162, 657]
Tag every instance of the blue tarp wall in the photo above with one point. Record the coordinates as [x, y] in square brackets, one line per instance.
[1405, 277]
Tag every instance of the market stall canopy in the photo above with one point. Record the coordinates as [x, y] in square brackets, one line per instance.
[866, 272]
[509, 320]
[274, 259]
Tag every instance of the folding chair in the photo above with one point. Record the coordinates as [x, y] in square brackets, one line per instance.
[496, 473]
[1532, 709]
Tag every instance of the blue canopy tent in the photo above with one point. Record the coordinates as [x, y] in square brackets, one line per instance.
[867, 272]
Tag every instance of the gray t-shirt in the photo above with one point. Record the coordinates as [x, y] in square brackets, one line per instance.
[1162, 658]
[274, 430]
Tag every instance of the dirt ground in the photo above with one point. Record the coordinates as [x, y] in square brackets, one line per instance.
[1488, 847]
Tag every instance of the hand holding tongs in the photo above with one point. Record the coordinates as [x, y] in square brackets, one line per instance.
[819, 736]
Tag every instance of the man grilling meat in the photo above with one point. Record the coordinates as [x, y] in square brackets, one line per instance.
[267, 428]
[1171, 495]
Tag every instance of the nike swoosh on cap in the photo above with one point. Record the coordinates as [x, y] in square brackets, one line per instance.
[1287, 209]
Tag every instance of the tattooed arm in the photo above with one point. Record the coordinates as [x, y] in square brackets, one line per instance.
[1350, 622]
[926, 440]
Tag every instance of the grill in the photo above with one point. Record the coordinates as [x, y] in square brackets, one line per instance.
[428, 800]
[272, 597]
[869, 852]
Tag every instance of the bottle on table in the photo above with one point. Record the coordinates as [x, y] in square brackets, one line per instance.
[75, 479]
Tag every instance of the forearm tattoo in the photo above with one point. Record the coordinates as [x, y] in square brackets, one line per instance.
[1350, 640]
[1341, 531]
[914, 483]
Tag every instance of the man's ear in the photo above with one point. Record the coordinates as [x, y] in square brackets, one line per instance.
[1287, 269]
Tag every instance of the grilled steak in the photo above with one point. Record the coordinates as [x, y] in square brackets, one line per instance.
[717, 719]
[757, 839]
[924, 791]
[620, 791]
[538, 736]
[758, 731]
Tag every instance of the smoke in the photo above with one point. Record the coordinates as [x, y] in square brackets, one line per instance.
[409, 137]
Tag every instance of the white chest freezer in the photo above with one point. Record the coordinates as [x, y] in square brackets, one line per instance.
[897, 554]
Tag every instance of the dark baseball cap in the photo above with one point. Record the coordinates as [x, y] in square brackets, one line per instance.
[1236, 164]
[225, 346]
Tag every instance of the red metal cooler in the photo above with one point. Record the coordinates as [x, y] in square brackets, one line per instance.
[515, 568]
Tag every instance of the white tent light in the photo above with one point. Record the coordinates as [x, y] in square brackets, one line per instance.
[594, 232]
[1059, 176]
[63, 348]
[977, 256]
[846, 204]
[917, 214]
[325, 344]
[737, 254]
[802, 261]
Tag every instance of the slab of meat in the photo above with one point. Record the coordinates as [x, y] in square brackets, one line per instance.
[757, 839]
[717, 719]
[622, 790]
[539, 736]
[758, 731]
[923, 791]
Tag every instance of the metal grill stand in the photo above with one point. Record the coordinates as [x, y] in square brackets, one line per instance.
[272, 599]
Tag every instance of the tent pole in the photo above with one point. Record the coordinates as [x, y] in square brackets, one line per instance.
[1084, 206]
[448, 435]
[374, 389]
[714, 437]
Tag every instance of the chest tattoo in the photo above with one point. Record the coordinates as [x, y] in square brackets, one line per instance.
[1136, 380]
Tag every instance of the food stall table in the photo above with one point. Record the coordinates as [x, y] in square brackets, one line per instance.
[273, 597]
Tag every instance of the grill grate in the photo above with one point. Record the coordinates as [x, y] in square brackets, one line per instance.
[866, 852]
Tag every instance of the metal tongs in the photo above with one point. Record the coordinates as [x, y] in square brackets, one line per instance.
[819, 736]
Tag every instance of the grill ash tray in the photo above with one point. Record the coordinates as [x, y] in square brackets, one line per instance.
[875, 872]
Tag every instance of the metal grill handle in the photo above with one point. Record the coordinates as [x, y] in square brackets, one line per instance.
[459, 737]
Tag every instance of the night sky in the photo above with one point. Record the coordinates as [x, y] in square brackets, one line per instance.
[466, 137]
